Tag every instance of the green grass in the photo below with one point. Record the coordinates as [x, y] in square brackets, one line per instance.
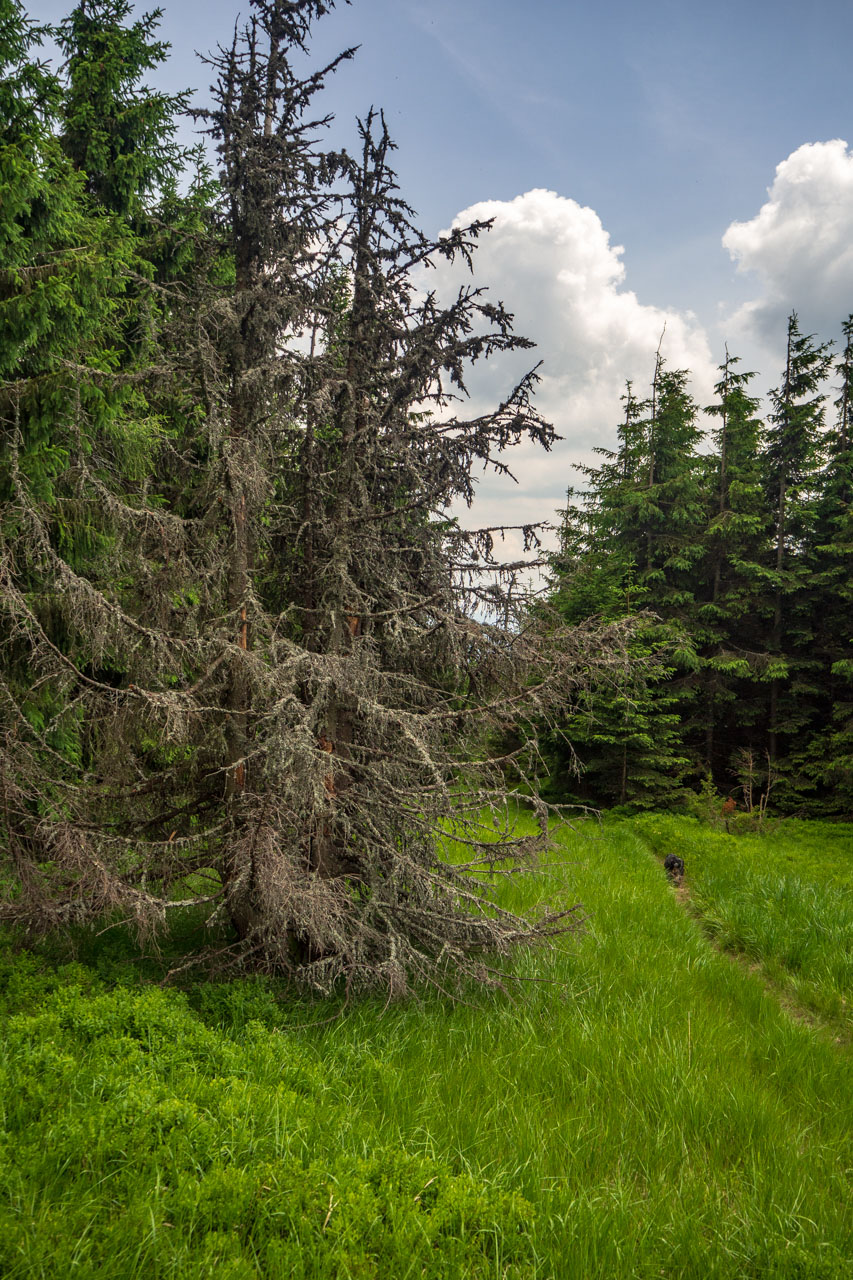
[783, 901]
[653, 1111]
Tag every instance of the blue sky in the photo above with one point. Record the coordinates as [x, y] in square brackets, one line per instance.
[585, 128]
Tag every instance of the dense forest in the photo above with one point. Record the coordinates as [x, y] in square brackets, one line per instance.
[735, 554]
[251, 660]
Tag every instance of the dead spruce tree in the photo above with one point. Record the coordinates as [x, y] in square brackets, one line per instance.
[290, 672]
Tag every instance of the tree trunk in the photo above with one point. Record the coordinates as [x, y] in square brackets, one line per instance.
[240, 870]
[776, 635]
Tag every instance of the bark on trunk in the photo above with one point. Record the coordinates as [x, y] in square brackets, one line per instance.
[776, 637]
[240, 874]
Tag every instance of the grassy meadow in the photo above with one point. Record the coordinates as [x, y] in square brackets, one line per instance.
[782, 901]
[646, 1106]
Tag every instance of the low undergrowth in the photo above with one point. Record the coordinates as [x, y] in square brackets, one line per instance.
[640, 1107]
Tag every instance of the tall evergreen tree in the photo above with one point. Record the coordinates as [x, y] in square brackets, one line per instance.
[120, 134]
[274, 689]
[82, 438]
[619, 740]
[825, 757]
[625, 551]
[649, 491]
[792, 455]
[60, 291]
[736, 578]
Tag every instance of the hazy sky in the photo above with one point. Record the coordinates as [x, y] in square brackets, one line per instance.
[668, 163]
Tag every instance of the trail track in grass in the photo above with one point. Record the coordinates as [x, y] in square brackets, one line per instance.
[788, 1003]
[648, 1111]
[779, 903]
[798, 1012]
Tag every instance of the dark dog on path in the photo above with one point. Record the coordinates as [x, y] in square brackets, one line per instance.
[674, 867]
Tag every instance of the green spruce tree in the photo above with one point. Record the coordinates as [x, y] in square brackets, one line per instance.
[623, 554]
[792, 455]
[736, 581]
[824, 758]
[284, 655]
[118, 133]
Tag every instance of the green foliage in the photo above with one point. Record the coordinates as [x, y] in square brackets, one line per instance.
[204, 1138]
[733, 612]
[60, 288]
[233, 1130]
[120, 136]
[743, 557]
[631, 543]
[793, 451]
[824, 759]
[79, 438]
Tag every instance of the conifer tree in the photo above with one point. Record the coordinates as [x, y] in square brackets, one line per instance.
[63, 299]
[295, 664]
[119, 134]
[649, 490]
[619, 557]
[825, 758]
[619, 740]
[791, 458]
[82, 437]
[729, 617]
[60, 284]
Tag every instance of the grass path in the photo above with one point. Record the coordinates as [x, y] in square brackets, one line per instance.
[649, 1111]
[787, 1001]
[780, 992]
[781, 904]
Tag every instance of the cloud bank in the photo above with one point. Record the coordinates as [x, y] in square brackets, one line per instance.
[551, 262]
[800, 245]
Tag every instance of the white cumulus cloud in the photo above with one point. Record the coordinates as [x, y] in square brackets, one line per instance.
[800, 245]
[551, 262]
